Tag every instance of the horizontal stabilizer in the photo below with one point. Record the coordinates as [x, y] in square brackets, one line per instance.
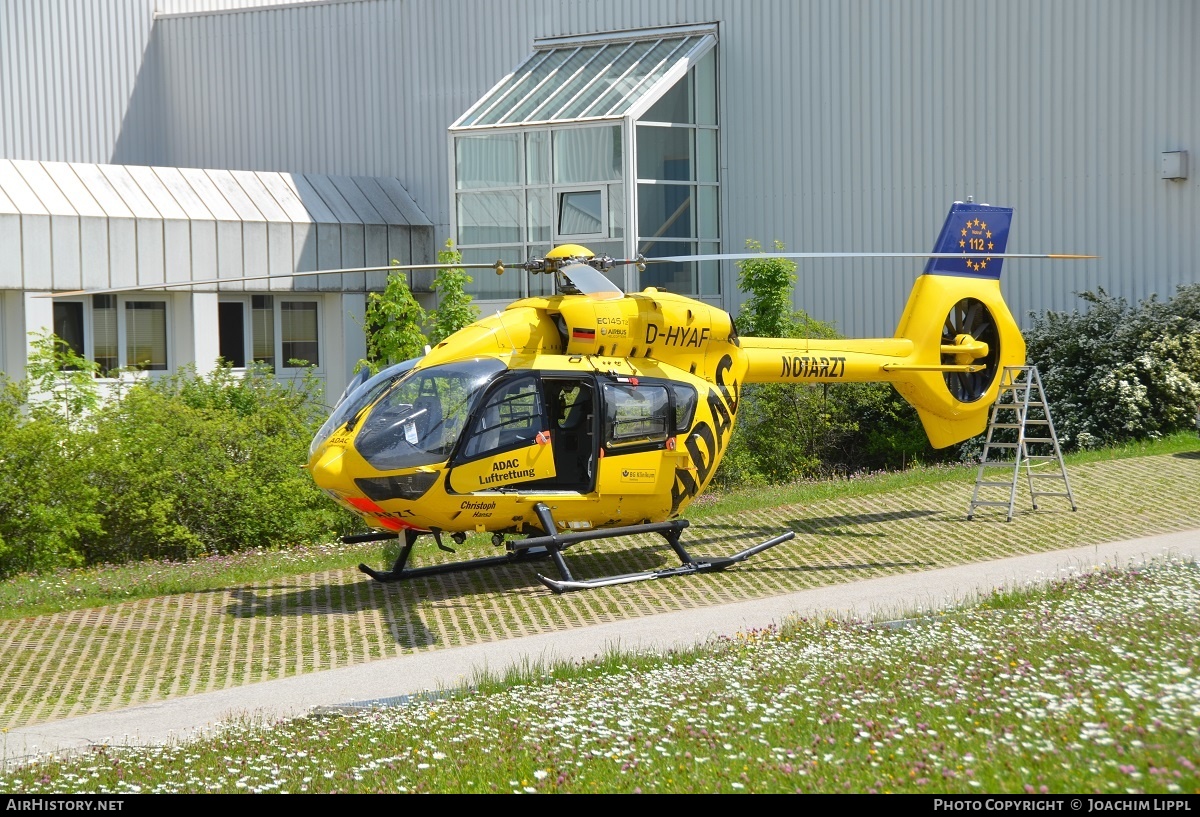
[953, 367]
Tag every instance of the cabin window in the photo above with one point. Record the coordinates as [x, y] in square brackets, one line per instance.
[420, 416]
[685, 406]
[635, 415]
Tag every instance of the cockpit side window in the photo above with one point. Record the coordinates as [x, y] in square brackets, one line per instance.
[511, 417]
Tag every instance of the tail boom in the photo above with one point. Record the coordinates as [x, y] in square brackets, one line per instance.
[805, 360]
[955, 336]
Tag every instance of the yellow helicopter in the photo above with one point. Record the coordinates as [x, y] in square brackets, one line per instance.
[593, 413]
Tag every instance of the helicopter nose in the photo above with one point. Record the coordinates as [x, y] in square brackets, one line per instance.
[327, 471]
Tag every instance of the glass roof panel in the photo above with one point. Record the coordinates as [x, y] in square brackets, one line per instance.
[629, 88]
[624, 57]
[693, 46]
[564, 76]
[573, 80]
[528, 75]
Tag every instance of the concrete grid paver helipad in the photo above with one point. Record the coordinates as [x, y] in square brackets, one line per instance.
[83, 662]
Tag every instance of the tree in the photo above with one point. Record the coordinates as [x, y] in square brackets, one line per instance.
[768, 311]
[60, 381]
[394, 324]
[454, 309]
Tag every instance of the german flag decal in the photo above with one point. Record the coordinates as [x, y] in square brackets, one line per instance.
[585, 335]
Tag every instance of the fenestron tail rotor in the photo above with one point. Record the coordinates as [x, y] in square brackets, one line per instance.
[970, 322]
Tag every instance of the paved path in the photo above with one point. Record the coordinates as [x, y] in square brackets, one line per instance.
[388, 680]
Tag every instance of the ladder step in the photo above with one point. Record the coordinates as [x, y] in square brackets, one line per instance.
[1020, 390]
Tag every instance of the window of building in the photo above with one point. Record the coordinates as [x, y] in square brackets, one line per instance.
[116, 332]
[581, 214]
[609, 141]
[232, 334]
[677, 189]
[276, 331]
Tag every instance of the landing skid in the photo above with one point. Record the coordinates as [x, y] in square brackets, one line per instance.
[552, 545]
[685, 569]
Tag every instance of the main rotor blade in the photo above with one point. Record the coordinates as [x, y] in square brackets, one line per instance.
[498, 266]
[174, 284]
[746, 256]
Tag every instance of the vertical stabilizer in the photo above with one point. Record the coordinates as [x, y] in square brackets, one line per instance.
[981, 231]
[962, 332]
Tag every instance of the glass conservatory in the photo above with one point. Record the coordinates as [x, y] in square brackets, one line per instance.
[609, 141]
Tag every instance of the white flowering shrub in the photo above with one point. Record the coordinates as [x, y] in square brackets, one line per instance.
[1116, 372]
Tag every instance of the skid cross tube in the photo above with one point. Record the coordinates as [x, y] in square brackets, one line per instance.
[399, 572]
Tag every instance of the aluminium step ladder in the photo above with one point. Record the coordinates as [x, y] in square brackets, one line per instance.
[1020, 404]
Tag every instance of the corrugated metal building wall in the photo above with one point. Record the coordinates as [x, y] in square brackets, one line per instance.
[845, 126]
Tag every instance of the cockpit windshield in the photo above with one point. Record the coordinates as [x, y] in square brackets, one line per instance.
[360, 393]
[418, 421]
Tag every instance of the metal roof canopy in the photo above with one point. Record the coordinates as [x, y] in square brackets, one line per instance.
[66, 226]
[592, 77]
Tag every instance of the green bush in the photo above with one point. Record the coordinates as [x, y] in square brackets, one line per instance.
[188, 466]
[48, 505]
[171, 468]
[1117, 373]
